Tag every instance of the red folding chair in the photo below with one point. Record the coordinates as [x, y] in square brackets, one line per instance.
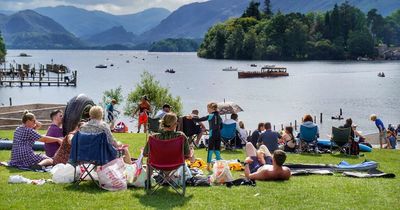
[165, 157]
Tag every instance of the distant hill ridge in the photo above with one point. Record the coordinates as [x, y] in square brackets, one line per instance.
[28, 29]
[84, 23]
[114, 35]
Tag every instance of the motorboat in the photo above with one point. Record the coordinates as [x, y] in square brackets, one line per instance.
[229, 69]
[101, 66]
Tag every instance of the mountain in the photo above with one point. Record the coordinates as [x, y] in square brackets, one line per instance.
[114, 35]
[7, 12]
[84, 23]
[28, 29]
[193, 20]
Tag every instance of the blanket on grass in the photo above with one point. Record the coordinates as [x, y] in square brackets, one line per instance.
[46, 169]
[372, 173]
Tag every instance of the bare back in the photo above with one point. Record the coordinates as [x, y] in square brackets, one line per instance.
[270, 172]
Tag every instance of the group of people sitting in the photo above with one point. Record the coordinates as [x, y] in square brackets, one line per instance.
[265, 156]
[57, 146]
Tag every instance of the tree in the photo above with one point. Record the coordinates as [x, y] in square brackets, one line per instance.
[296, 36]
[252, 10]
[360, 44]
[249, 44]
[214, 43]
[116, 94]
[268, 9]
[335, 21]
[2, 49]
[233, 46]
[392, 29]
[157, 95]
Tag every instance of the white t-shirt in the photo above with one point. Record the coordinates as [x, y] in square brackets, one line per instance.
[160, 114]
[243, 134]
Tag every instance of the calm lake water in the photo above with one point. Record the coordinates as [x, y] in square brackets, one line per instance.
[313, 87]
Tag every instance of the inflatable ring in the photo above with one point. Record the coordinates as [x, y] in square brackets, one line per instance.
[77, 109]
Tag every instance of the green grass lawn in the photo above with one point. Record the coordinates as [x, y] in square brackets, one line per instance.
[303, 192]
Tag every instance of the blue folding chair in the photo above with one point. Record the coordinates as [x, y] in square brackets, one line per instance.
[308, 138]
[228, 135]
[89, 151]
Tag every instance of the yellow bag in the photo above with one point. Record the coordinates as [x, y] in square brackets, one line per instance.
[198, 163]
[236, 166]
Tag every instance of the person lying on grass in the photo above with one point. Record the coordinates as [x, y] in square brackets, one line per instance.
[261, 165]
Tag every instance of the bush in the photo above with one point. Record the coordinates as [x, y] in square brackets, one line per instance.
[157, 95]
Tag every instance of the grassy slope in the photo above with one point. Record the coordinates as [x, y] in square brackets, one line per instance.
[304, 192]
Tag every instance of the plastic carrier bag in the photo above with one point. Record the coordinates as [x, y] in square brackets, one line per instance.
[64, 173]
[111, 175]
[221, 173]
[136, 173]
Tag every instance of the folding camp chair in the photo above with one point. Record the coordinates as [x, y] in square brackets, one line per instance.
[89, 151]
[191, 129]
[228, 135]
[340, 139]
[165, 157]
[153, 125]
[308, 138]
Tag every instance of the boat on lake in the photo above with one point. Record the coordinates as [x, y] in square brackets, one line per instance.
[171, 71]
[266, 71]
[101, 66]
[381, 74]
[229, 69]
[24, 55]
[253, 65]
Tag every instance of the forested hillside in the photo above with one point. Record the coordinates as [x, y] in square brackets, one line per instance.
[344, 32]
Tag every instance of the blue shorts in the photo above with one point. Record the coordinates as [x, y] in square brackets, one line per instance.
[255, 165]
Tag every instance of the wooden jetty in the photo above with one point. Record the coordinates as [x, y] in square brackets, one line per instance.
[46, 75]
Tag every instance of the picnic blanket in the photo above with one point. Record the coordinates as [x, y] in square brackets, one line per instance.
[372, 173]
[297, 172]
[364, 166]
[45, 169]
[329, 169]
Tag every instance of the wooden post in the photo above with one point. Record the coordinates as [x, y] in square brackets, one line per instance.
[320, 118]
[315, 119]
[274, 127]
[295, 125]
[281, 126]
[10, 100]
[340, 113]
[290, 124]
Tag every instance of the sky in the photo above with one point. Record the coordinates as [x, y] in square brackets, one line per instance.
[111, 6]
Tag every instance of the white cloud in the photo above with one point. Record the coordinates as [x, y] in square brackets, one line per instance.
[111, 6]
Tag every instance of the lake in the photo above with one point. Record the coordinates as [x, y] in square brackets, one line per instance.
[313, 87]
